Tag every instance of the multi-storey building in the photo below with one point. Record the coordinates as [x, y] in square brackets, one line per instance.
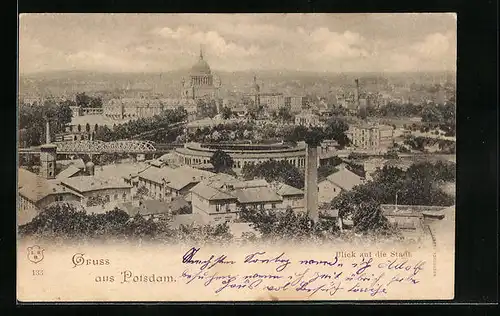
[371, 136]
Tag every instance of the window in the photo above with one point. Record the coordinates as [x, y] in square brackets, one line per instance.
[124, 196]
[116, 197]
[273, 205]
[217, 207]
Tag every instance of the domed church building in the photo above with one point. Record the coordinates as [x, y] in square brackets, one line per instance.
[201, 83]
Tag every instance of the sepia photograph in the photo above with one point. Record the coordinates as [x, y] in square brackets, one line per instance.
[236, 157]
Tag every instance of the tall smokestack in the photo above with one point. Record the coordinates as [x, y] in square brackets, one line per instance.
[47, 131]
[356, 93]
[361, 108]
[311, 200]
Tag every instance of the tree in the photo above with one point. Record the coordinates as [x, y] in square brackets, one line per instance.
[142, 191]
[64, 114]
[82, 100]
[284, 114]
[95, 102]
[221, 161]
[336, 129]
[273, 170]
[288, 225]
[105, 134]
[431, 113]
[226, 113]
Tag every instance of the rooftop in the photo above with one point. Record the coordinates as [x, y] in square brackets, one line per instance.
[210, 193]
[83, 184]
[36, 188]
[284, 189]
[68, 172]
[256, 195]
[345, 179]
[175, 178]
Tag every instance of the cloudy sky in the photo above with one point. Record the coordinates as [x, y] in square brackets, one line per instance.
[232, 42]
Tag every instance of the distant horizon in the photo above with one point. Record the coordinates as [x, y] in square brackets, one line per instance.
[312, 42]
[215, 71]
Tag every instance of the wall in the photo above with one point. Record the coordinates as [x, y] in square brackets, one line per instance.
[292, 201]
[208, 210]
[111, 193]
[327, 191]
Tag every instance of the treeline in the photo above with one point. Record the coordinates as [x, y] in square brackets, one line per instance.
[32, 120]
[288, 225]
[334, 129]
[85, 101]
[159, 125]
[421, 143]
[64, 221]
[396, 110]
[419, 185]
[273, 170]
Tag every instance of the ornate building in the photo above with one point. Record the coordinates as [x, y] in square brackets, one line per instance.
[201, 82]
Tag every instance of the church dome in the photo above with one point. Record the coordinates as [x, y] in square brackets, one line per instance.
[201, 67]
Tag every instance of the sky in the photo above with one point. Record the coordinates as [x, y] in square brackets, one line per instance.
[403, 42]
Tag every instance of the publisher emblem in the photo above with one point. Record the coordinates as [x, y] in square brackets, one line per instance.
[35, 254]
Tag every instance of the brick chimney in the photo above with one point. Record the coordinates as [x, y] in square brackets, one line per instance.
[47, 131]
[311, 182]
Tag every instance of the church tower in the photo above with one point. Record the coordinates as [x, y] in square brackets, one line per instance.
[256, 91]
[48, 156]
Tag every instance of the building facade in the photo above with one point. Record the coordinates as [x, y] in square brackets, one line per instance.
[134, 108]
[201, 83]
[371, 137]
[308, 119]
[193, 154]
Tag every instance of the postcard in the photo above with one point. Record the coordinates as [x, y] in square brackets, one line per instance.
[236, 157]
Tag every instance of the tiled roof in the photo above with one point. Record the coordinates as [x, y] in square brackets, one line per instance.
[176, 178]
[75, 162]
[284, 189]
[152, 207]
[36, 188]
[256, 195]
[210, 193]
[256, 183]
[345, 179]
[92, 183]
[68, 172]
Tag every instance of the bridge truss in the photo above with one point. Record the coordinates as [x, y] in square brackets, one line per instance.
[97, 146]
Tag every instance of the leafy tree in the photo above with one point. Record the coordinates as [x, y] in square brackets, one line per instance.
[64, 113]
[83, 100]
[419, 185]
[105, 134]
[284, 114]
[96, 200]
[431, 113]
[95, 102]
[221, 161]
[273, 170]
[336, 129]
[287, 225]
[226, 113]
[141, 192]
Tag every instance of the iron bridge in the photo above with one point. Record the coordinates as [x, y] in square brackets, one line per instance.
[97, 146]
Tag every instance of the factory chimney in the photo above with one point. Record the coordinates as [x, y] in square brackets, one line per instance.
[356, 94]
[47, 131]
[361, 108]
[311, 182]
